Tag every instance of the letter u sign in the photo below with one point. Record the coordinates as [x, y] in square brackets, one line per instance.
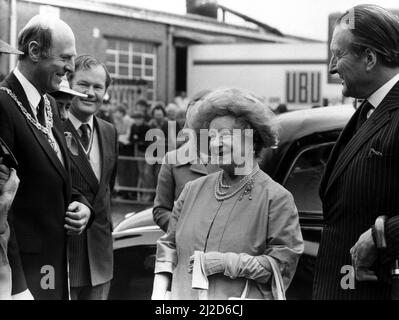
[303, 87]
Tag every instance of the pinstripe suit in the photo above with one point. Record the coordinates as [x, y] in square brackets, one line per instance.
[361, 182]
[91, 255]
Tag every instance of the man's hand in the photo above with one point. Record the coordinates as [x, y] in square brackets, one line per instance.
[10, 187]
[7, 194]
[77, 217]
[364, 253]
[4, 174]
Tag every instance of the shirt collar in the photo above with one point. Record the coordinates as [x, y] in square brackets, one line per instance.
[77, 123]
[31, 92]
[376, 98]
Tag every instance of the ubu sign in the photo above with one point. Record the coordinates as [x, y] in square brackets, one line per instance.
[303, 87]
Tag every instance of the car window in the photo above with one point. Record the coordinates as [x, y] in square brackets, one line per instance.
[304, 177]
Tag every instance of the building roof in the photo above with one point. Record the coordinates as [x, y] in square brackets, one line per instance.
[188, 21]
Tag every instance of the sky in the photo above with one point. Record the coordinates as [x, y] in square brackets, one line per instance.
[306, 18]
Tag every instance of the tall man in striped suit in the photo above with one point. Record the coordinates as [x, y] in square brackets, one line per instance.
[360, 187]
[93, 151]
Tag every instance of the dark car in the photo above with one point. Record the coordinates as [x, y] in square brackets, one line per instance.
[306, 138]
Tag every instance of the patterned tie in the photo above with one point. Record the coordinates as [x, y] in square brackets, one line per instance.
[40, 113]
[84, 128]
[365, 109]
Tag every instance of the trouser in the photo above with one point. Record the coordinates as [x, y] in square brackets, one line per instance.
[99, 292]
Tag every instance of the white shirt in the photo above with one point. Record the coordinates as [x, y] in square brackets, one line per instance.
[376, 98]
[34, 98]
[94, 148]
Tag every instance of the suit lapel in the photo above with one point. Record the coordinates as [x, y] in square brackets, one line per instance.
[378, 119]
[105, 143]
[16, 87]
[342, 141]
[81, 161]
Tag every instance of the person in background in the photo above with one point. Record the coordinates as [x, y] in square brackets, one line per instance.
[105, 111]
[172, 111]
[175, 173]
[64, 96]
[137, 139]
[127, 169]
[123, 122]
[93, 174]
[159, 121]
[281, 108]
[182, 100]
[143, 107]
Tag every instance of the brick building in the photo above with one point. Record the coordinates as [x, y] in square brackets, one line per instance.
[145, 50]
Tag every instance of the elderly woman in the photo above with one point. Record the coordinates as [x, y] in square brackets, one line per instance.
[233, 220]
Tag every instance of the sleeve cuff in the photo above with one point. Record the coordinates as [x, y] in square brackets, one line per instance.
[163, 266]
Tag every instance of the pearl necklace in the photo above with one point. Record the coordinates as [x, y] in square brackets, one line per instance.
[246, 184]
[49, 116]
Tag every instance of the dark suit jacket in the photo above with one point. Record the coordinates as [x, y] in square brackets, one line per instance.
[38, 239]
[359, 185]
[93, 250]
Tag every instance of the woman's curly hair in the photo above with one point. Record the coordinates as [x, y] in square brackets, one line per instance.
[249, 110]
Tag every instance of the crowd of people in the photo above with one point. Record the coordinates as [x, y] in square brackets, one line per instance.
[230, 230]
[132, 124]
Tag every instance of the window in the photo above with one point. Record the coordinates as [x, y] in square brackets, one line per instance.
[133, 61]
[303, 180]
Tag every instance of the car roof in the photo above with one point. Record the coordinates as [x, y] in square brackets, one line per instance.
[297, 124]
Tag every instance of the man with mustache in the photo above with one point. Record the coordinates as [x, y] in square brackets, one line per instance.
[42, 216]
[93, 174]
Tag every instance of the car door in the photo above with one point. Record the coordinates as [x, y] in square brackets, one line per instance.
[300, 172]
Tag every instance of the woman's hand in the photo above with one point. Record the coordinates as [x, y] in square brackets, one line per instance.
[214, 262]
